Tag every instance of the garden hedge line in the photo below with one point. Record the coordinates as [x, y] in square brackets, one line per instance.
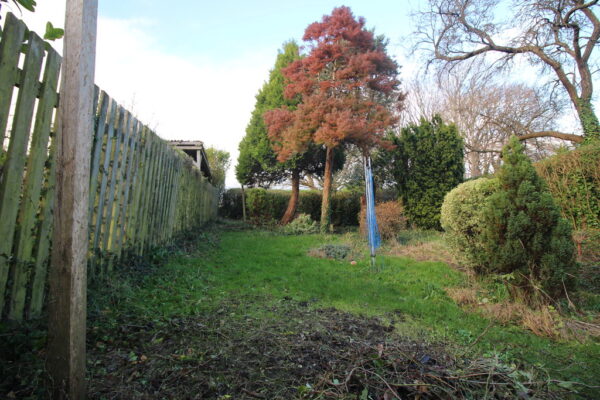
[265, 205]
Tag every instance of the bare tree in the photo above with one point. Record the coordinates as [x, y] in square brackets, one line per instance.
[559, 36]
[486, 109]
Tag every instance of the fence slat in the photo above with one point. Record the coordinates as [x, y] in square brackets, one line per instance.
[163, 196]
[151, 144]
[171, 213]
[138, 185]
[33, 183]
[142, 192]
[110, 200]
[115, 228]
[147, 196]
[160, 189]
[10, 52]
[42, 254]
[108, 152]
[98, 143]
[168, 197]
[10, 187]
[152, 195]
[125, 204]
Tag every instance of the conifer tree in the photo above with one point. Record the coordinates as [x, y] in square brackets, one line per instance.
[257, 162]
[426, 163]
[525, 235]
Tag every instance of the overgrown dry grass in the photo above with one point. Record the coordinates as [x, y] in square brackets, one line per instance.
[544, 321]
[463, 296]
[421, 246]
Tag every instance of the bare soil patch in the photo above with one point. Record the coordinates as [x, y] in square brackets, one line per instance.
[287, 351]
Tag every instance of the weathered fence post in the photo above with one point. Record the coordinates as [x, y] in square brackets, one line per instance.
[67, 296]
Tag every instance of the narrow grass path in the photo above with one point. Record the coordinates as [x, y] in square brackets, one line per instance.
[263, 268]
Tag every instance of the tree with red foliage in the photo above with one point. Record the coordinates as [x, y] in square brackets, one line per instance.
[348, 86]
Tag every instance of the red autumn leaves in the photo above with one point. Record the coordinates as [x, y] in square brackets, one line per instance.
[346, 82]
[348, 88]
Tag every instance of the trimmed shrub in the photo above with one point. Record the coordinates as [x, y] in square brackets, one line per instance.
[345, 208]
[390, 219]
[266, 205]
[524, 235]
[310, 203]
[463, 220]
[270, 205]
[302, 225]
[573, 178]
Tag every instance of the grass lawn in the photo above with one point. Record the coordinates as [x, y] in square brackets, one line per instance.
[263, 268]
[247, 304]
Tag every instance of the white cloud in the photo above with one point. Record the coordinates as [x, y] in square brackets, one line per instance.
[191, 98]
[184, 99]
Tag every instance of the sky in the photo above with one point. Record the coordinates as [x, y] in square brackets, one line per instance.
[191, 70]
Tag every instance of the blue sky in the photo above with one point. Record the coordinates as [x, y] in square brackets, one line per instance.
[190, 69]
[221, 30]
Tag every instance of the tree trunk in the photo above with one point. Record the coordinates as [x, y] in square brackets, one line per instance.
[293, 203]
[474, 166]
[243, 204]
[325, 203]
[589, 120]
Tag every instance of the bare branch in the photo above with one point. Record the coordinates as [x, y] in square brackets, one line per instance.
[555, 134]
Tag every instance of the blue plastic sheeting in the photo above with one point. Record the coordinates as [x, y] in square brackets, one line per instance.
[372, 229]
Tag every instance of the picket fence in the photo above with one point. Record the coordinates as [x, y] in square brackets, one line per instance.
[142, 191]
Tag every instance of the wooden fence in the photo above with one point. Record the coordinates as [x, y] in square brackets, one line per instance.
[142, 191]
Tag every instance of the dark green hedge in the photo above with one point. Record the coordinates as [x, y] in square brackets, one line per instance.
[265, 205]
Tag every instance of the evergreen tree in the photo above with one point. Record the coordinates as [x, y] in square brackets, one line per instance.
[525, 235]
[257, 162]
[426, 163]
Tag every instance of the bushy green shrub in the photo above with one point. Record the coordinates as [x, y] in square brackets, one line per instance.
[345, 208]
[231, 204]
[303, 224]
[463, 220]
[265, 205]
[310, 203]
[524, 235]
[573, 178]
[332, 251]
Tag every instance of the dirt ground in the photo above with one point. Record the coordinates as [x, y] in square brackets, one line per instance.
[288, 351]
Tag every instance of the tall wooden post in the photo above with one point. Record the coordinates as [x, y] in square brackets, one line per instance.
[68, 277]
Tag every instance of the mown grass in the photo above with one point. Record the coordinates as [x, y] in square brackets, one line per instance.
[264, 267]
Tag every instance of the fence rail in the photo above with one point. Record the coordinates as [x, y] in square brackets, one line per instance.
[142, 191]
